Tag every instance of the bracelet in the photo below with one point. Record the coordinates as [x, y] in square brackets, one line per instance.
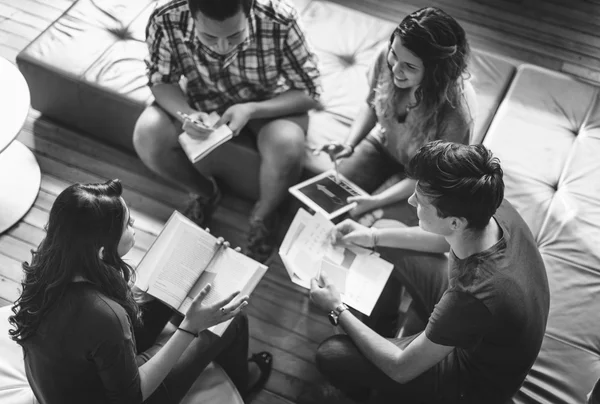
[195, 334]
[374, 236]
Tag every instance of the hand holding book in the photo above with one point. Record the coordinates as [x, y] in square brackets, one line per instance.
[201, 316]
[184, 259]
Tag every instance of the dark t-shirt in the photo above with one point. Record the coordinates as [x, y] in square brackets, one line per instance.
[83, 352]
[494, 312]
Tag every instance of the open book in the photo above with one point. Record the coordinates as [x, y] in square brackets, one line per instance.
[184, 258]
[358, 273]
[197, 149]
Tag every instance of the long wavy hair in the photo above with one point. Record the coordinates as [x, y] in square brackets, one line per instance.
[440, 42]
[84, 218]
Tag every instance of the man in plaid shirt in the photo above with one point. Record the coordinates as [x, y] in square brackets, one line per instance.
[247, 60]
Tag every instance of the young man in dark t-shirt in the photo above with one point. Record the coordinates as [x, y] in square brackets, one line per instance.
[486, 305]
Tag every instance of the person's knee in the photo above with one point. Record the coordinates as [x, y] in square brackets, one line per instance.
[331, 352]
[154, 133]
[285, 144]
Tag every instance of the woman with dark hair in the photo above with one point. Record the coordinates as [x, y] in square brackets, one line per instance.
[418, 93]
[85, 339]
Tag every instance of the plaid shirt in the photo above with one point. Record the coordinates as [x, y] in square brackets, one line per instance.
[273, 59]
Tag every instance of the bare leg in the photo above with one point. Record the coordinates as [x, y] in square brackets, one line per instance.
[155, 141]
[281, 147]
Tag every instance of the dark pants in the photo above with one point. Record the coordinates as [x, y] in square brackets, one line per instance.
[230, 351]
[369, 167]
[338, 358]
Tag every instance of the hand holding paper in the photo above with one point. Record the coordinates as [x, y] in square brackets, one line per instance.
[358, 274]
[324, 293]
[349, 232]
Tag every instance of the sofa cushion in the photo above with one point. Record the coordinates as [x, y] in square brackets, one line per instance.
[547, 136]
[87, 72]
[213, 386]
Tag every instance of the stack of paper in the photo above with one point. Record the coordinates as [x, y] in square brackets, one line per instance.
[307, 249]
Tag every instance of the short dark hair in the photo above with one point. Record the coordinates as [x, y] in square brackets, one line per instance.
[219, 10]
[462, 181]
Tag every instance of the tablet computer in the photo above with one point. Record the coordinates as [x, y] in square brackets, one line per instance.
[327, 193]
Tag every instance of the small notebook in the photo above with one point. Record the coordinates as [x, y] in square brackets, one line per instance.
[197, 149]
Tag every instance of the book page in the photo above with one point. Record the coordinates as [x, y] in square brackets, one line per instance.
[185, 254]
[229, 272]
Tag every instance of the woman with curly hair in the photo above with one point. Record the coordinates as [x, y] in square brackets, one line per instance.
[418, 93]
[84, 336]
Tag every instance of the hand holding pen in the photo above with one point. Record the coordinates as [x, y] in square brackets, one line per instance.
[194, 124]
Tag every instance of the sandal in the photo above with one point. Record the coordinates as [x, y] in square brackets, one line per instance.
[264, 361]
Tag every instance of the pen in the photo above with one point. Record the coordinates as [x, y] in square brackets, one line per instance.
[189, 118]
[337, 173]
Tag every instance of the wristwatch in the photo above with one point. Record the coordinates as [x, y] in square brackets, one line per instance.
[334, 314]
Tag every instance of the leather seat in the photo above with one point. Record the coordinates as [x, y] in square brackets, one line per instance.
[547, 136]
[87, 72]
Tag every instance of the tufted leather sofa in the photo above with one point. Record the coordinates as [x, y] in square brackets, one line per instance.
[547, 135]
[86, 71]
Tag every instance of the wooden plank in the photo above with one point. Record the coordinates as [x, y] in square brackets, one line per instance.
[150, 214]
[6, 10]
[583, 72]
[9, 289]
[286, 386]
[557, 15]
[283, 336]
[4, 302]
[101, 159]
[32, 20]
[14, 39]
[38, 9]
[10, 268]
[163, 200]
[267, 397]
[287, 363]
[14, 248]
[25, 31]
[293, 301]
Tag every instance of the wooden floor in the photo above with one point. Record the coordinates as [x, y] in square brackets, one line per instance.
[545, 32]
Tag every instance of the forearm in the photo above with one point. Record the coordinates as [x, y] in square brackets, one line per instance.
[289, 103]
[362, 125]
[398, 192]
[153, 372]
[172, 99]
[378, 350]
[412, 238]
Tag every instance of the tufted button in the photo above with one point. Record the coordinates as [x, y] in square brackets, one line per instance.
[347, 61]
[121, 32]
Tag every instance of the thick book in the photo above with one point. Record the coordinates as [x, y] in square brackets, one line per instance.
[184, 258]
[327, 193]
[358, 273]
[196, 149]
